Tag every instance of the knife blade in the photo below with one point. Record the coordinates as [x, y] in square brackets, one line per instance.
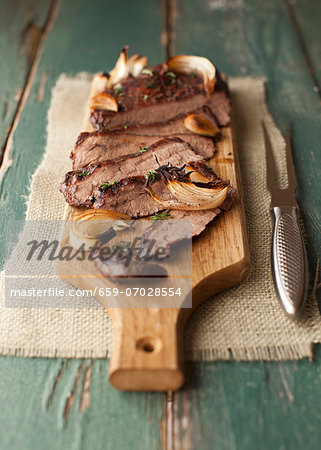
[288, 256]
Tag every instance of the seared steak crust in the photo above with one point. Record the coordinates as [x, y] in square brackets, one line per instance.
[145, 134]
[92, 148]
[130, 197]
[151, 100]
[79, 185]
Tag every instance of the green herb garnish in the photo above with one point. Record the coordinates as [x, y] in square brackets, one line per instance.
[148, 72]
[193, 74]
[107, 185]
[82, 174]
[118, 88]
[161, 215]
[141, 150]
[125, 127]
[171, 74]
[145, 97]
[151, 176]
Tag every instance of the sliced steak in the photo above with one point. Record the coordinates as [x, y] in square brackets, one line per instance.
[219, 106]
[146, 100]
[179, 225]
[92, 148]
[218, 109]
[151, 99]
[172, 230]
[130, 196]
[79, 185]
[101, 146]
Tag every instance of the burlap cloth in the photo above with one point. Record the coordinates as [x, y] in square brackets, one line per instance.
[245, 322]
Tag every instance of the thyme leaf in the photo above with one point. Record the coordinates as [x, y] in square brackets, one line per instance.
[118, 88]
[107, 185]
[82, 174]
[161, 215]
[151, 176]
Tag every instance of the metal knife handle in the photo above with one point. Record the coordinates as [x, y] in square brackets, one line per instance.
[289, 260]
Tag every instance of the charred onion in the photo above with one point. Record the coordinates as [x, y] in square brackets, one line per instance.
[201, 125]
[88, 227]
[188, 64]
[188, 194]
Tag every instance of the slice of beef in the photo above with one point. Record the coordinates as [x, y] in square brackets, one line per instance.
[92, 148]
[79, 185]
[172, 230]
[219, 106]
[147, 115]
[148, 101]
[174, 127]
[179, 225]
[151, 99]
[217, 109]
[130, 196]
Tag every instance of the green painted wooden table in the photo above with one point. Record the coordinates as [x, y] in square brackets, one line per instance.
[68, 404]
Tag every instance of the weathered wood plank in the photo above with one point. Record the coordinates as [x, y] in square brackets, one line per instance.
[255, 37]
[21, 25]
[43, 411]
[306, 18]
[232, 405]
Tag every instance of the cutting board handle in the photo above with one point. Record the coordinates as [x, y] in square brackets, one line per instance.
[147, 349]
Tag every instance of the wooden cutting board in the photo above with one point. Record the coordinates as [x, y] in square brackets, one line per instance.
[148, 342]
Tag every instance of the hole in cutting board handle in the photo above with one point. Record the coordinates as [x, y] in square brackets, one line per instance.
[149, 344]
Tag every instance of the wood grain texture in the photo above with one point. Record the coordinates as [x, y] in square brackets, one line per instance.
[21, 26]
[308, 33]
[230, 405]
[39, 404]
[225, 405]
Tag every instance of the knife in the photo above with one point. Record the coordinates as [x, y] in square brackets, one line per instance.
[289, 260]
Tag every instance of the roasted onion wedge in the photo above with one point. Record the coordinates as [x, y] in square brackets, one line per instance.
[136, 64]
[121, 69]
[201, 125]
[87, 228]
[189, 64]
[192, 188]
[189, 196]
[100, 83]
[195, 176]
[104, 101]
